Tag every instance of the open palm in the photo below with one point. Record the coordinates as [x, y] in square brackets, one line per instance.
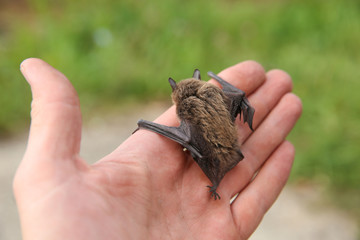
[148, 188]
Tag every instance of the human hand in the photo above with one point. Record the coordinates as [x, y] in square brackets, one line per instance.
[148, 188]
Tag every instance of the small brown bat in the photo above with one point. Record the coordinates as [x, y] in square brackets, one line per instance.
[207, 115]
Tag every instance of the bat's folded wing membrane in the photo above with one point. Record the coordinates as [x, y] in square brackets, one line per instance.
[179, 134]
[227, 87]
[239, 102]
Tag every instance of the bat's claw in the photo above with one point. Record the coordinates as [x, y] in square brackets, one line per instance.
[213, 192]
[248, 112]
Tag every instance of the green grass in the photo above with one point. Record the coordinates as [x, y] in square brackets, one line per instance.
[117, 51]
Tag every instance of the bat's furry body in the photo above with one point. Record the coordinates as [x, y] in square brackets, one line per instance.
[207, 129]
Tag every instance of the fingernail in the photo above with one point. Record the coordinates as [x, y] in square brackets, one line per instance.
[23, 68]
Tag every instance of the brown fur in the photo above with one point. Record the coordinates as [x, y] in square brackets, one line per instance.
[204, 105]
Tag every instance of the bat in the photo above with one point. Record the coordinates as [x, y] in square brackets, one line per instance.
[207, 130]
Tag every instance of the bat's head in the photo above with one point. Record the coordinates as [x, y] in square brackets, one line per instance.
[184, 89]
[196, 76]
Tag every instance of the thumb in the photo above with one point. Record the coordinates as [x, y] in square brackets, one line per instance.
[55, 131]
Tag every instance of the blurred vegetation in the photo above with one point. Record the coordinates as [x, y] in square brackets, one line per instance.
[120, 51]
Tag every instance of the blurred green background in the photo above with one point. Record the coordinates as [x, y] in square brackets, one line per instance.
[118, 52]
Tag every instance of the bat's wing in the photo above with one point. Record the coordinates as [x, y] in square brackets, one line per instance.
[238, 101]
[179, 134]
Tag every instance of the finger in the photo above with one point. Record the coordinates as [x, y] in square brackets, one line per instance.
[55, 130]
[259, 146]
[247, 76]
[264, 99]
[255, 200]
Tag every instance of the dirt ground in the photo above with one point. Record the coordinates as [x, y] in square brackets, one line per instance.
[299, 213]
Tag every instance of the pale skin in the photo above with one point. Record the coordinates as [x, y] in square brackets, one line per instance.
[148, 188]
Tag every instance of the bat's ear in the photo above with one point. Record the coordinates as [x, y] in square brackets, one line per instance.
[172, 83]
[196, 74]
